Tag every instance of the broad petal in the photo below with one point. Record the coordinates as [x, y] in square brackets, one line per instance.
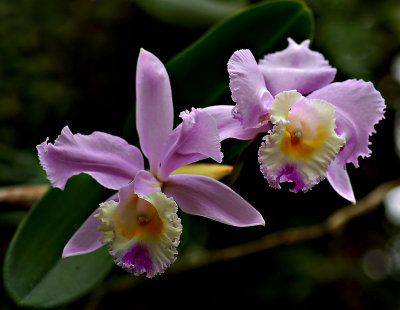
[86, 239]
[339, 179]
[230, 127]
[154, 110]
[296, 68]
[196, 138]
[359, 106]
[108, 159]
[200, 195]
[248, 89]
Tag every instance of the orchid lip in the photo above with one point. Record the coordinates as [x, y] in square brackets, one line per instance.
[142, 232]
[302, 143]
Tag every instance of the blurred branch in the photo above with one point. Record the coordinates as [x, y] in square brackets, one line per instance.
[331, 226]
[22, 195]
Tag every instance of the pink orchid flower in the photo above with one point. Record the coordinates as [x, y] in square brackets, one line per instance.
[141, 227]
[314, 127]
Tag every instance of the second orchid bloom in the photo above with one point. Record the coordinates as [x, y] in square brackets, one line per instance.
[314, 127]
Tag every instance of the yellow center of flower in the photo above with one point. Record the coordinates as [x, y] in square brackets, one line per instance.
[149, 223]
[138, 218]
[301, 140]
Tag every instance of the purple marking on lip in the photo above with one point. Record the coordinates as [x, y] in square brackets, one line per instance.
[289, 174]
[137, 260]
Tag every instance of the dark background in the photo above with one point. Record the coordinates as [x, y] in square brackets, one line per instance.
[73, 63]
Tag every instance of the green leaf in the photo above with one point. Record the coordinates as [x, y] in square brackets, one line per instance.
[199, 74]
[35, 275]
[190, 13]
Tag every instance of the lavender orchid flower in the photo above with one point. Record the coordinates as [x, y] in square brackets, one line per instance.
[142, 228]
[317, 126]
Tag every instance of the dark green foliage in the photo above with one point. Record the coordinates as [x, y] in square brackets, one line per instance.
[34, 272]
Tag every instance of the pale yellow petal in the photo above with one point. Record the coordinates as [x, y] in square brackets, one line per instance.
[215, 171]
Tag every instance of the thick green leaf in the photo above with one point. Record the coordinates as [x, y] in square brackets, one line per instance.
[35, 275]
[199, 74]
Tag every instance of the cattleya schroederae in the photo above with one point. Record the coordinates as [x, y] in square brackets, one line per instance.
[314, 127]
[140, 224]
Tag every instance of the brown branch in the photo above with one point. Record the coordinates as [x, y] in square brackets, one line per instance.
[22, 195]
[332, 225]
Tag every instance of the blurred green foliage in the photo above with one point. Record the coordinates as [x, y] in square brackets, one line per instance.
[35, 273]
[73, 62]
[361, 39]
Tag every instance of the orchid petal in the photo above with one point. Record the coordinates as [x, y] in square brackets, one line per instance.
[154, 110]
[248, 89]
[339, 179]
[108, 159]
[230, 127]
[196, 138]
[359, 106]
[86, 239]
[296, 67]
[200, 195]
[215, 171]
